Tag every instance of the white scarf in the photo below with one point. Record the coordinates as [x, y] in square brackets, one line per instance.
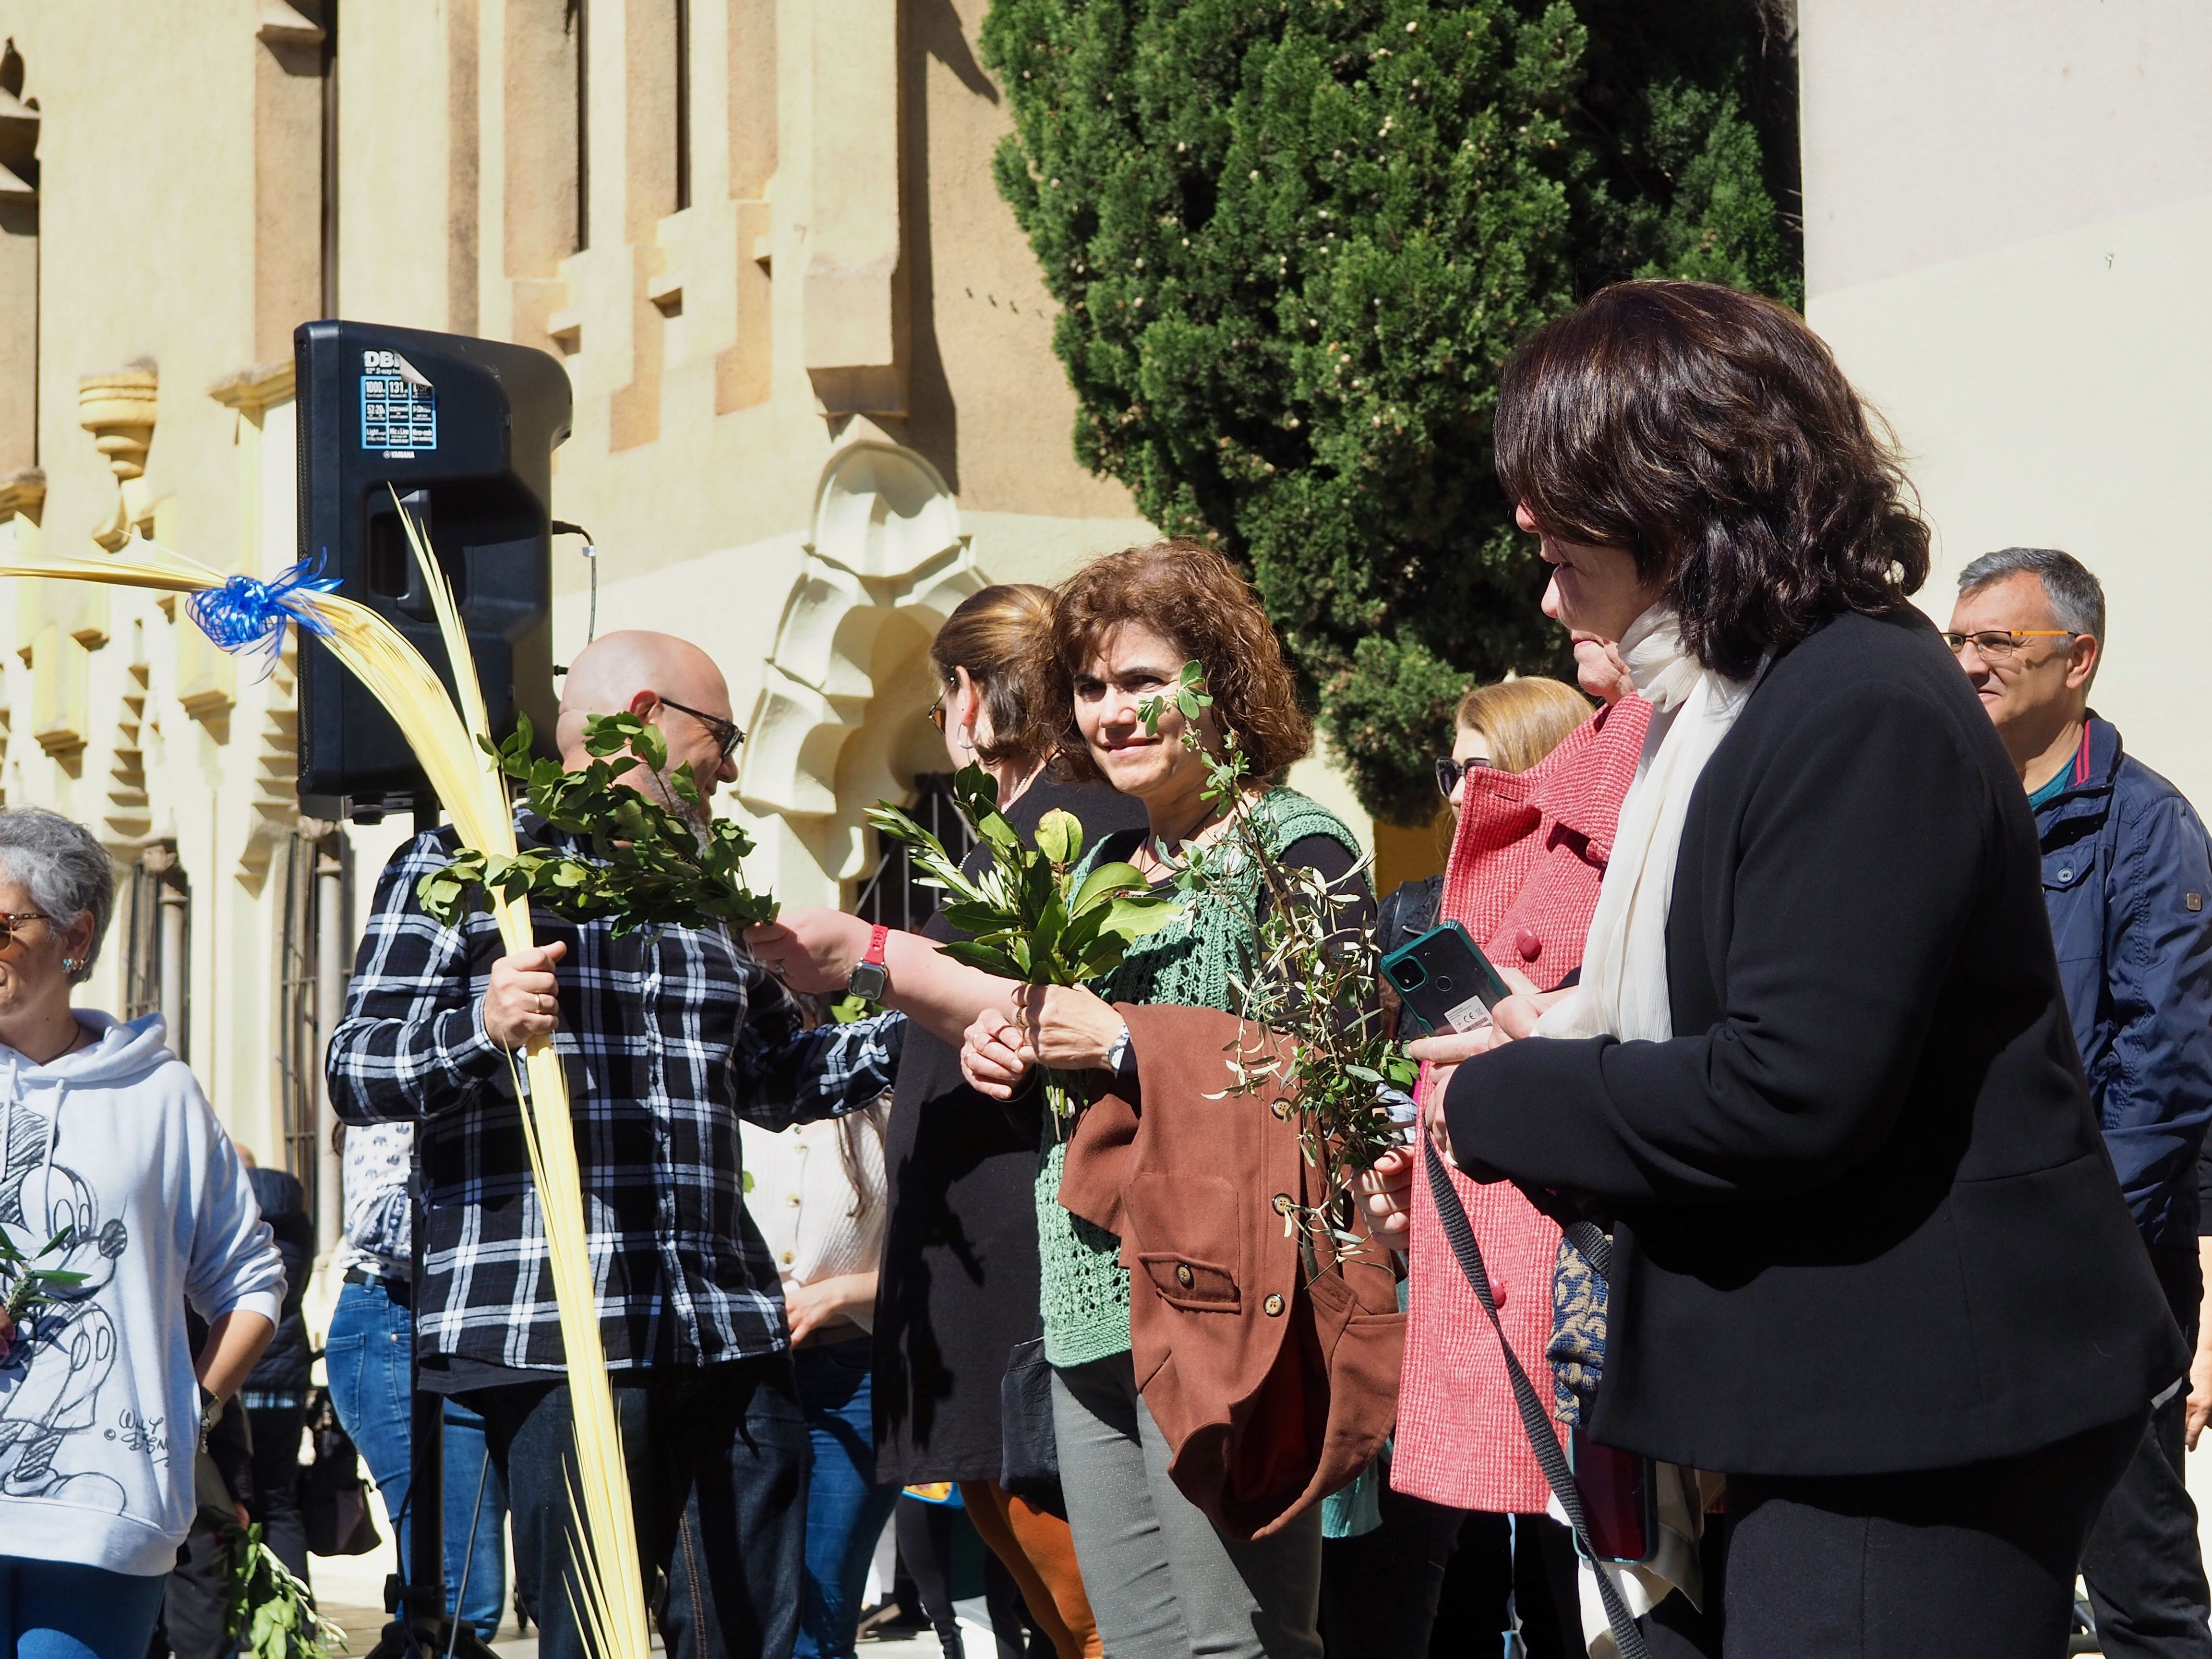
[1623, 993]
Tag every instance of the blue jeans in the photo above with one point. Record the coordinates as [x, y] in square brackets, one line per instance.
[368, 1353]
[845, 1508]
[717, 1462]
[58, 1610]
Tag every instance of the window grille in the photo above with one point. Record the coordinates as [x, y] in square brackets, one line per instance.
[894, 896]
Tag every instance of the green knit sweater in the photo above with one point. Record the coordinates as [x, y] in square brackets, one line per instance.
[1084, 1288]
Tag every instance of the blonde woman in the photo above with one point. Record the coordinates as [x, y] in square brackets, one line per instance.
[1505, 727]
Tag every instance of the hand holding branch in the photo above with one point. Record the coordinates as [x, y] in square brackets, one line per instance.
[523, 1003]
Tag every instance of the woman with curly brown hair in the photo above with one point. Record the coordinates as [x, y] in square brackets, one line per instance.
[1869, 1258]
[1162, 1579]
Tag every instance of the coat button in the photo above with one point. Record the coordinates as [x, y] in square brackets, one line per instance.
[1183, 1275]
[1283, 1205]
[2066, 875]
[1281, 1109]
[1498, 1295]
[1273, 1304]
[787, 1258]
[1527, 944]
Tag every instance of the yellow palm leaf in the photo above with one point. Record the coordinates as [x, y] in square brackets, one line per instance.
[609, 1584]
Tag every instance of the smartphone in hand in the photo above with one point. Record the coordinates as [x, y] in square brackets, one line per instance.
[1445, 978]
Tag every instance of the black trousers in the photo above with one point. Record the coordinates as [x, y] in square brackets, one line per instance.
[717, 1458]
[2142, 1563]
[1970, 1563]
[276, 1431]
[924, 1533]
[1379, 1591]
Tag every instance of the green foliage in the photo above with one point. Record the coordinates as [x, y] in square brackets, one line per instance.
[1313, 982]
[29, 1286]
[1029, 919]
[272, 1614]
[1292, 243]
[649, 866]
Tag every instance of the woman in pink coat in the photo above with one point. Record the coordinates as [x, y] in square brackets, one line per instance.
[1526, 862]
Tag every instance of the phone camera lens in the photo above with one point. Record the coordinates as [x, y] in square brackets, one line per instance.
[1410, 975]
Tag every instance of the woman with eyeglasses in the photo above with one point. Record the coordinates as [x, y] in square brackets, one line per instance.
[1505, 727]
[117, 1181]
[957, 1287]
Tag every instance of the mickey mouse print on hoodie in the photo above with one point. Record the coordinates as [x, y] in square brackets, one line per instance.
[113, 1145]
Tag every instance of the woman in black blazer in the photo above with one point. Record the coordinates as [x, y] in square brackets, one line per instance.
[1871, 1258]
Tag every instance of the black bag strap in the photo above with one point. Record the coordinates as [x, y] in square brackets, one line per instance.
[1534, 1419]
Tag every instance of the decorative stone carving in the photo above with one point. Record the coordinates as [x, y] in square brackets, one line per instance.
[282, 25]
[118, 409]
[253, 389]
[23, 494]
[886, 544]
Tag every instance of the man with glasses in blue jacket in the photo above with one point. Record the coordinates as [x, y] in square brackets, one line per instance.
[2127, 874]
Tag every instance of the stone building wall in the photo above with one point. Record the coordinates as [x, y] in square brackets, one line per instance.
[816, 406]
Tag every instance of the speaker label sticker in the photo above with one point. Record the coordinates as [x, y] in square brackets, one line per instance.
[398, 406]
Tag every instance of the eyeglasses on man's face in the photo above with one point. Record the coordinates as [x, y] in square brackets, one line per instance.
[726, 734]
[12, 921]
[1998, 644]
[1450, 771]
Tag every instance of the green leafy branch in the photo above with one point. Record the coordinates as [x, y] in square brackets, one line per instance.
[266, 1607]
[1029, 918]
[650, 866]
[29, 1286]
[1312, 977]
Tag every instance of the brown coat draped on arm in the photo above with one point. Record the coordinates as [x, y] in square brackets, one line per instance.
[1272, 1372]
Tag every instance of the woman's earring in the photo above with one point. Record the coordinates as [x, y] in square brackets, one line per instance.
[70, 964]
[965, 736]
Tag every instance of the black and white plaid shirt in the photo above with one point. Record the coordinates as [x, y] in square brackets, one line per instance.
[670, 1035]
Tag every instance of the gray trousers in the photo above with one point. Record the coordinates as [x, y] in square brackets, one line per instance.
[1163, 1583]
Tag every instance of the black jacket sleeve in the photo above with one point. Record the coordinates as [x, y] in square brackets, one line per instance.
[1834, 904]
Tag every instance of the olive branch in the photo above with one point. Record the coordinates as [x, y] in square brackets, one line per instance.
[1312, 978]
[651, 863]
[266, 1608]
[30, 1286]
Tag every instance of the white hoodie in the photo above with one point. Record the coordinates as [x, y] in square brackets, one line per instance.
[98, 1409]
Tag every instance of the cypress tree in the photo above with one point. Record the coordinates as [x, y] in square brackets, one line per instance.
[1292, 242]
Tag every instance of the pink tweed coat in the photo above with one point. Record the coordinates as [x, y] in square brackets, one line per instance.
[1526, 863]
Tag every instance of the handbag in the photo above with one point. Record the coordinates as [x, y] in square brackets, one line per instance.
[333, 1496]
[1597, 1250]
[1029, 1447]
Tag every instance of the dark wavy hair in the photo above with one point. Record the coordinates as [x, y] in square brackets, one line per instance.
[1710, 434]
[1191, 596]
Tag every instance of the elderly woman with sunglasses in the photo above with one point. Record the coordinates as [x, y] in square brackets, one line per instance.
[117, 1181]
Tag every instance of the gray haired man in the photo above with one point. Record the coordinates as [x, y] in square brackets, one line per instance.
[2127, 871]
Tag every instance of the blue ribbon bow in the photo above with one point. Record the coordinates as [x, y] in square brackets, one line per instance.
[245, 612]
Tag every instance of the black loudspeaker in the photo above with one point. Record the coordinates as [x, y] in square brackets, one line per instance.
[463, 430]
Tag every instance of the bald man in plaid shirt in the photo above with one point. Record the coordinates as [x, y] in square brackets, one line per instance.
[670, 1035]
